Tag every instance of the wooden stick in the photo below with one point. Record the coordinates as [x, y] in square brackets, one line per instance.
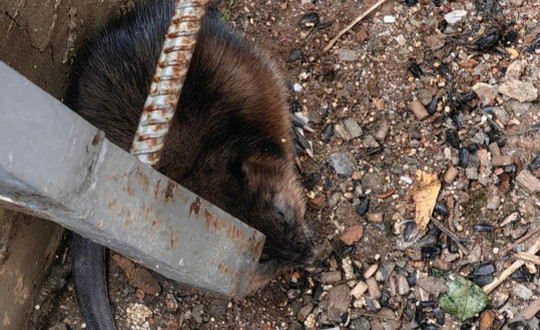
[510, 270]
[527, 257]
[353, 23]
[523, 239]
[450, 234]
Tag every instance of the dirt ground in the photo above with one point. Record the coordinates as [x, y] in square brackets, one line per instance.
[443, 87]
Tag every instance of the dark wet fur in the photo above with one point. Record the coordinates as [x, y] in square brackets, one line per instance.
[230, 141]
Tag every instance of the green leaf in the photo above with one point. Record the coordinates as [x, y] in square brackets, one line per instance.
[464, 298]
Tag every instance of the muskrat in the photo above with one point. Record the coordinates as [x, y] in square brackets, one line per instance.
[230, 141]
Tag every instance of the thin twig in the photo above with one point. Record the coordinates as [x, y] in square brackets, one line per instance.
[353, 23]
[521, 240]
[527, 257]
[510, 270]
[450, 234]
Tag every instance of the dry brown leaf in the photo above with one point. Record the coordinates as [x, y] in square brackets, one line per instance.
[425, 195]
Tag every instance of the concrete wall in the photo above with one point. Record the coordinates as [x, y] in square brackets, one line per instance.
[38, 39]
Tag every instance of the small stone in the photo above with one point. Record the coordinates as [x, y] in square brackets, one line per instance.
[298, 88]
[352, 126]
[359, 289]
[330, 277]
[418, 109]
[371, 270]
[136, 314]
[494, 149]
[487, 93]
[171, 303]
[455, 16]
[342, 132]
[338, 302]
[382, 131]
[501, 114]
[471, 173]
[310, 321]
[341, 164]
[432, 285]
[502, 160]
[528, 181]
[493, 202]
[389, 19]
[370, 142]
[522, 91]
[373, 289]
[360, 324]
[197, 313]
[352, 235]
[401, 40]
[515, 70]
[520, 108]
[451, 174]
[303, 313]
[522, 291]
[294, 55]
[374, 217]
[348, 55]
[425, 96]
[402, 285]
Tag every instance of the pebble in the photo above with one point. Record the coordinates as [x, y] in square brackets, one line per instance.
[359, 289]
[501, 160]
[136, 314]
[522, 291]
[494, 149]
[432, 285]
[389, 19]
[471, 173]
[370, 142]
[352, 126]
[450, 174]
[523, 91]
[171, 303]
[514, 70]
[371, 270]
[373, 289]
[330, 277]
[352, 235]
[338, 302]
[382, 131]
[374, 217]
[528, 181]
[341, 164]
[418, 109]
[303, 313]
[534, 164]
[402, 285]
[486, 92]
[348, 55]
[455, 16]
[298, 88]
[360, 324]
[493, 202]
[424, 96]
[310, 321]
[295, 55]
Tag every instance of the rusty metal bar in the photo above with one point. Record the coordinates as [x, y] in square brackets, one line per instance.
[56, 165]
[168, 80]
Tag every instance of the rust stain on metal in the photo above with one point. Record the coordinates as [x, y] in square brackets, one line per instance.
[170, 189]
[172, 239]
[235, 233]
[143, 180]
[222, 268]
[195, 207]
[156, 189]
[97, 138]
[212, 221]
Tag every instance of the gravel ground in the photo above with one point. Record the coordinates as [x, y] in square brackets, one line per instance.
[444, 88]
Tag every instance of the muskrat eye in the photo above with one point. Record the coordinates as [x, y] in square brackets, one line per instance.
[264, 257]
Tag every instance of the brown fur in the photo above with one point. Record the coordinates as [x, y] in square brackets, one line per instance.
[230, 141]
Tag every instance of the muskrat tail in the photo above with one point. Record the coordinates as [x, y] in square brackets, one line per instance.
[90, 281]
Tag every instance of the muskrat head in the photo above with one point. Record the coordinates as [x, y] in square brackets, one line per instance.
[277, 208]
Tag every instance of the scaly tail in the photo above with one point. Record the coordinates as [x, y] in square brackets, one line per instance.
[90, 280]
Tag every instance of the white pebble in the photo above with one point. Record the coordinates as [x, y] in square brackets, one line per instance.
[389, 19]
[298, 88]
